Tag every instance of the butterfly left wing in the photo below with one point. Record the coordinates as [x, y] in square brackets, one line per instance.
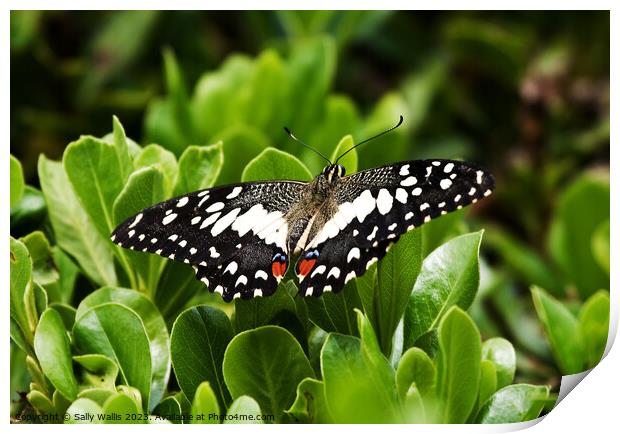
[375, 207]
[234, 236]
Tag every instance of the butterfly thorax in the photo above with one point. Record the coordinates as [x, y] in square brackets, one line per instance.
[317, 206]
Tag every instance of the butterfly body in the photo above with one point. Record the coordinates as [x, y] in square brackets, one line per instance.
[239, 238]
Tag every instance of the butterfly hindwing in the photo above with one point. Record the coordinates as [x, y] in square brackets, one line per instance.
[210, 228]
[376, 206]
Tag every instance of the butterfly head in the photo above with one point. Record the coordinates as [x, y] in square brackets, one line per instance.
[333, 172]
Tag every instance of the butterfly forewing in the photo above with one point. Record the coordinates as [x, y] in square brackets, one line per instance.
[376, 206]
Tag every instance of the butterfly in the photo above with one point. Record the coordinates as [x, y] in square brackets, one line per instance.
[240, 238]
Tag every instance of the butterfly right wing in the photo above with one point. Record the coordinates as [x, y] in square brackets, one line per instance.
[231, 235]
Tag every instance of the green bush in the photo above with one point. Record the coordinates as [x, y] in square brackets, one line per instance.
[99, 329]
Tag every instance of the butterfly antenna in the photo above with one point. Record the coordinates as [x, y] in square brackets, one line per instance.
[292, 136]
[372, 138]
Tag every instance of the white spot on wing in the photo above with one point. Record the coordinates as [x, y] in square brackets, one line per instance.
[224, 222]
[318, 270]
[168, 219]
[231, 268]
[182, 202]
[408, 216]
[392, 226]
[260, 274]
[183, 243]
[335, 271]
[408, 182]
[213, 252]
[212, 218]
[327, 288]
[349, 276]
[373, 233]
[215, 207]
[234, 193]
[196, 220]
[136, 220]
[384, 201]
[416, 191]
[131, 233]
[448, 168]
[472, 191]
[457, 197]
[479, 174]
[242, 280]
[404, 171]
[173, 237]
[364, 204]
[401, 195]
[192, 251]
[141, 237]
[424, 206]
[445, 184]
[258, 293]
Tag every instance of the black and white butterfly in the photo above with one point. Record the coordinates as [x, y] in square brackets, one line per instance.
[240, 238]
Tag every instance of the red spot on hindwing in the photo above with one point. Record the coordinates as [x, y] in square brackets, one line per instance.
[278, 268]
[305, 266]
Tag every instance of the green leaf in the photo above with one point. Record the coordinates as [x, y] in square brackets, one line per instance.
[117, 331]
[562, 331]
[67, 313]
[600, 245]
[240, 145]
[41, 403]
[35, 301]
[272, 164]
[162, 159]
[353, 393]
[97, 371]
[310, 405]
[259, 311]
[336, 312]
[200, 336]
[17, 181]
[100, 396]
[145, 187]
[266, 92]
[29, 212]
[488, 381]
[349, 161]
[440, 230]
[244, 410]
[20, 273]
[43, 270]
[581, 209]
[413, 406]
[96, 175]
[384, 290]
[458, 366]
[176, 286]
[121, 409]
[122, 149]
[154, 325]
[82, 410]
[274, 351]
[514, 403]
[502, 354]
[170, 408]
[205, 405]
[199, 168]
[594, 326]
[68, 273]
[217, 100]
[52, 348]
[449, 277]
[74, 231]
[415, 367]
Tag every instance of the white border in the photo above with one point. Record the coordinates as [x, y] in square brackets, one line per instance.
[592, 407]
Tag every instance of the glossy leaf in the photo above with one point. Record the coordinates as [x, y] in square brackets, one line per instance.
[84, 410]
[259, 311]
[96, 175]
[562, 331]
[449, 277]
[240, 146]
[162, 159]
[514, 403]
[502, 354]
[488, 381]
[17, 181]
[117, 331]
[52, 348]
[274, 351]
[154, 325]
[335, 312]
[385, 301]
[199, 338]
[415, 367]
[310, 405]
[20, 273]
[145, 187]
[243, 410]
[205, 405]
[74, 231]
[593, 326]
[122, 148]
[273, 164]
[121, 409]
[458, 366]
[413, 406]
[349, 161]
[170, 408]
[199, 168]
[97, 371]
[601, 245]
[580, 210]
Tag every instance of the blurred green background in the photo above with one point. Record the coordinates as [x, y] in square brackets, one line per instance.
[525, 94]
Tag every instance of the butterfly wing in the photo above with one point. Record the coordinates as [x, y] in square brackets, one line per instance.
[234, 236]
[375, 207]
